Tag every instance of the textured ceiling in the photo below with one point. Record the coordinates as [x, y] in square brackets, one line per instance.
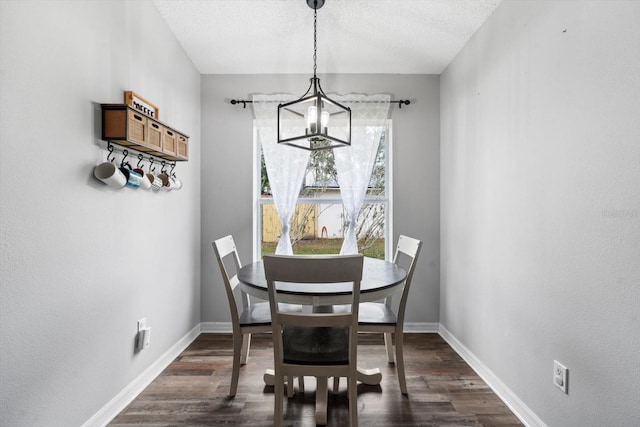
[354, 36]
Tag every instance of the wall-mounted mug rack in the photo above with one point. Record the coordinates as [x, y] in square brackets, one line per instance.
[127, 176]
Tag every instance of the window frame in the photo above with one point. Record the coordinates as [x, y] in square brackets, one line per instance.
[387, 200]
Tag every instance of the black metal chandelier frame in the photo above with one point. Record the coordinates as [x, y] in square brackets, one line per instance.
[317, 135]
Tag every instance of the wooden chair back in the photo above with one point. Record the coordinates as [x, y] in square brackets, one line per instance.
[406, 255]
[229, 263]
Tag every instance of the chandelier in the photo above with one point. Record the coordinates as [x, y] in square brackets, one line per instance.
[314, 121]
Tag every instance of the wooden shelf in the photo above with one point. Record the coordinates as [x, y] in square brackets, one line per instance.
[127, 127]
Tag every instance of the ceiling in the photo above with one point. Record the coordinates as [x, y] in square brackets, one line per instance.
[354, 36]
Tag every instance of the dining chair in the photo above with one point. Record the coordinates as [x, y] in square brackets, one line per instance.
[314, 344]
[381, 317]
[246, 317]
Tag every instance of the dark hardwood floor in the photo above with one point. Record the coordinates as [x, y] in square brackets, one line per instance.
[192, 391]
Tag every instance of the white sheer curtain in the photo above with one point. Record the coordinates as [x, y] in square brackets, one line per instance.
[285, 165]
[355, 163]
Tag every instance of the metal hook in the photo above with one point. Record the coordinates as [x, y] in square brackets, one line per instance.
[140, 157]
[151, 168]
[123, 163]
[164, 167]
[173, 166]
[110, 157]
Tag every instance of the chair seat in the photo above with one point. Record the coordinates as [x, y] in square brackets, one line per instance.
[376, 313]
[260, 314]
[371, 313]
[315, 346]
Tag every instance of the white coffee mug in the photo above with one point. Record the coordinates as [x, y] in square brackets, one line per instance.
[177, 184]
[145, 184]
[108, 173]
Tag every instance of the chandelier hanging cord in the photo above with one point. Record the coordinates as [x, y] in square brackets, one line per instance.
[315, 41]
[315, 81]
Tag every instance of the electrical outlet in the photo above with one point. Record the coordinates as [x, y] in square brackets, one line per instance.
[140, 336]
[560, 376]
[147, 337]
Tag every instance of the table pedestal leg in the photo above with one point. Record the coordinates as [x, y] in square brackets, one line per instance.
[369, 376]
[269, 377]
[365, 376]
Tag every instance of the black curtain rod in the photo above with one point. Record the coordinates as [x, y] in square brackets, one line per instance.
[244, 102]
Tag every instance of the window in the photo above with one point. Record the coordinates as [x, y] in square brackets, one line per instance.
[317, 226]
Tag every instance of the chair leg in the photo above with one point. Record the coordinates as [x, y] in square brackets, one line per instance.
[278, 401]
[246, 342]
[301, 383]
[400, 362]
[353, 400]
[336, 385]
[290, 386]
[388, 343]
[235, 371]
[322, 399]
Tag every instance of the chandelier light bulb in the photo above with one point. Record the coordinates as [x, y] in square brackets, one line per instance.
[324, 119]
[312, 119]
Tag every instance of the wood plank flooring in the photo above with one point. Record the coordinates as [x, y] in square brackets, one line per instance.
[192, 391]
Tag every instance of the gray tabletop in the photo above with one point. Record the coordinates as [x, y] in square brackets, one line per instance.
[379, 279]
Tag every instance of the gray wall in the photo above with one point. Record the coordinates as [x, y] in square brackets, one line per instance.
[540, 205]
[540, 172]
[81, 263]
[227, 172]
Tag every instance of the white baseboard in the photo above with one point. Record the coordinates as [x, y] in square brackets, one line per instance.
[517, 406]
[131, 391]
[216, 328]
[421, 327]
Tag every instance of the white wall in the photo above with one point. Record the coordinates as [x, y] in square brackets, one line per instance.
[227, 150]
[81, 263]
[540, 205]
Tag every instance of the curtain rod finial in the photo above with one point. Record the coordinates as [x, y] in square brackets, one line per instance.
[239, 101]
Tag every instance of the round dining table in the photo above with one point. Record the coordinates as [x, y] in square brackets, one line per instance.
[380, 279]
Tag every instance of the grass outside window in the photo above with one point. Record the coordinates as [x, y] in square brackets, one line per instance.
[327, 246]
